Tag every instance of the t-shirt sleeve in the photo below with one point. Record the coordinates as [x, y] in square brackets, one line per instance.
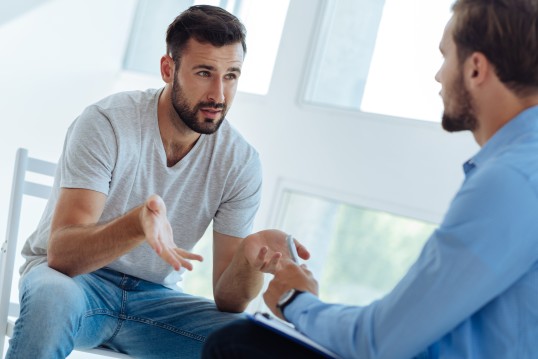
[89, 152]
[235, 216]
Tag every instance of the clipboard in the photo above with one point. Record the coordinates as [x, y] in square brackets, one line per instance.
[286, 329]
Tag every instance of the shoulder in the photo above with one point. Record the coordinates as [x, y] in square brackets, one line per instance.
[516, 165]
[123, 109]
[505, 185]
[232, 142]
[130, 101]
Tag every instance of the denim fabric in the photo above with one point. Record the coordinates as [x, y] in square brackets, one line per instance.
[110, 309]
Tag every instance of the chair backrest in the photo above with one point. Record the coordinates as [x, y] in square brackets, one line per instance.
[21, 187]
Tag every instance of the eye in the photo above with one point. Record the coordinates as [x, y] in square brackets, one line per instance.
[231, 76]
[203, 74]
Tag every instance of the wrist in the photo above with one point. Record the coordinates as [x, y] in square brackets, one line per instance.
[286, 299]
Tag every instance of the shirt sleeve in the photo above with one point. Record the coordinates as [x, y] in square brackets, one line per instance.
[89, 153]
[487, 241]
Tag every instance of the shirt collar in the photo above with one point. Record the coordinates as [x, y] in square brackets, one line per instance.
[525, 122]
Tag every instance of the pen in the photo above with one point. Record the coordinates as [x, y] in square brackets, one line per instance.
[292, 249]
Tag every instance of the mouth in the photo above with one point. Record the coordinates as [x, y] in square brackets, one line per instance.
[211, 113]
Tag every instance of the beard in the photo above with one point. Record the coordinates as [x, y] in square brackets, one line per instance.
[189, 116]
[462, 117]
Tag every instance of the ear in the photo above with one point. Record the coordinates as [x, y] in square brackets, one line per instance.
[478, 69]
[167, 69]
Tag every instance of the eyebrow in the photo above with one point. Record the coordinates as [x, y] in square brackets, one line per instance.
[212, 68]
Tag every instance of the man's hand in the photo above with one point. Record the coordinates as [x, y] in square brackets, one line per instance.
[265, 250]
[289, 276]
[158, 233]
[239, 265]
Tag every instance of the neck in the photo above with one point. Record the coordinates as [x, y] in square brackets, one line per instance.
[497, 110]
[177, 138]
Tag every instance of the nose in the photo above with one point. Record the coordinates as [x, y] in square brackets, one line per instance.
[437, 76]
[216, 91]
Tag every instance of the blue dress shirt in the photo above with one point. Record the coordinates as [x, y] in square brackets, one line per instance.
[473, 291]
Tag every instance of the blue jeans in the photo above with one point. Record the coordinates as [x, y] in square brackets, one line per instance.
[109, 309]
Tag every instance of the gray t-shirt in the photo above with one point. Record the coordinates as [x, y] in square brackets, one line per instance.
[115, 147]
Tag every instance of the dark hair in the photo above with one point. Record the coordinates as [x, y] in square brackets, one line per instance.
[206, 24]
[506, 32]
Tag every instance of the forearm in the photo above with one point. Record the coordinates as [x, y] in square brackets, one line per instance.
[237, 286]
[79, 249]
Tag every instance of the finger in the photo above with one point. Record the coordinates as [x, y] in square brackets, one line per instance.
[189, 255]
[155, 204]
[172, 258]
[305, 269]
[262, 253]
[186, 264]
[301, 250]
[275, 258]
[271, 265]
[181, 260]
[260, 261]
[156, 245]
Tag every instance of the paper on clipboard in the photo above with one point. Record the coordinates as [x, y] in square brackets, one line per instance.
[289, 331]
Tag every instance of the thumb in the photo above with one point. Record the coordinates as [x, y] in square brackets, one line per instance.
[156, 204]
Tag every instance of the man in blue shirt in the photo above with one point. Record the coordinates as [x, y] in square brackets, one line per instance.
[473, 291]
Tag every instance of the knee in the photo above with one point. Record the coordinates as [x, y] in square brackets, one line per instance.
[48, 290]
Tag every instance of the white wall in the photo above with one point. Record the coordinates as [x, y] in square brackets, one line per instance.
[407, 167]
[51, 67]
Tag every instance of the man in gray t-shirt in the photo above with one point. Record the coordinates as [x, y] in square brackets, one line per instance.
[141, 176]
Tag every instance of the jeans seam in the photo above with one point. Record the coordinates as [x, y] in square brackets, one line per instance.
[170, 328]
[120, 319]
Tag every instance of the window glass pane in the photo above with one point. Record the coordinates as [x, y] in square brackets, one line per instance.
[264, 21]
[358, 254]
[346, 45]
[386, 62]
[147, 41]
[199, 281]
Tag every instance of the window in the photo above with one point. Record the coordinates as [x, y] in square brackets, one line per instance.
[380, 57]
[199, 281]
[264, 21]
[358, 254]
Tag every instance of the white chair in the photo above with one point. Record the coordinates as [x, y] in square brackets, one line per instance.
[21, 186]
